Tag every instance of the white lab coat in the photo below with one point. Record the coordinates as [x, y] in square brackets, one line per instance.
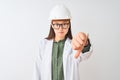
[42, 69]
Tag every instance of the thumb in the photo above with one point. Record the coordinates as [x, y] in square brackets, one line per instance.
[77, 53]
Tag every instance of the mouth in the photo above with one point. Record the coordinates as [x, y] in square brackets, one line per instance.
[61, 32]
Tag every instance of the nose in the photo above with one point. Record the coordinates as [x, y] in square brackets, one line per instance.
[60, 28]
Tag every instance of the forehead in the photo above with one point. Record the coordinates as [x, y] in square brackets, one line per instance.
[61, 21]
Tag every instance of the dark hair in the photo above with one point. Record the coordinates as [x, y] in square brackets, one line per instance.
[52, 33]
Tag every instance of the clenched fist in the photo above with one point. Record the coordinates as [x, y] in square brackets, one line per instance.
[78, 42]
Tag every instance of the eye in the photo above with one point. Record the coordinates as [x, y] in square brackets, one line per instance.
[64, 24]
[57, 24]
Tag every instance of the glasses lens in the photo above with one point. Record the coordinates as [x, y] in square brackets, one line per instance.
[65, 25]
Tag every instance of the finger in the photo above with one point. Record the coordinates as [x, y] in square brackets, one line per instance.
[85, 37]
[82, 36]
[77, 44]
[79, 40]
[74, 46]
[86, 41]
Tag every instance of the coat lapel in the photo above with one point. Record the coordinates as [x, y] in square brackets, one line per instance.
[48, 56]
[66, 52]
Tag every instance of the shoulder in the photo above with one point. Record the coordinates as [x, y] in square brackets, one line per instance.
[68, 40]
[44, 41]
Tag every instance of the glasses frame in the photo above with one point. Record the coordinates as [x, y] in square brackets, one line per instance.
[63, 25]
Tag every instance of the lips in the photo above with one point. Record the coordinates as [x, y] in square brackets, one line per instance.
[61, 32]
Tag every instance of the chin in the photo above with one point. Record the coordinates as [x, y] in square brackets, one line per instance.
[61, 36]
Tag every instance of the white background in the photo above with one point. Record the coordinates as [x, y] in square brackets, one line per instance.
[24, 22]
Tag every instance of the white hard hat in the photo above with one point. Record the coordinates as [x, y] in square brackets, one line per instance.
[59, 12]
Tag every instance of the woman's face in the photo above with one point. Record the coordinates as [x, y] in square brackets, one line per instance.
[60, 27]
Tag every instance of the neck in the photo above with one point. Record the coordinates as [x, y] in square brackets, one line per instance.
[59, 38]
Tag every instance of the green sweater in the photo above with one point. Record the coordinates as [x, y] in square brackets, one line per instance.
[57, 60]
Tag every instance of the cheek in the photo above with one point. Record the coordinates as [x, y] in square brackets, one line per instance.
[65, 31]
[55, 31]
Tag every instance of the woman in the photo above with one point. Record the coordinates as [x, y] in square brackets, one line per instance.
[60, 54]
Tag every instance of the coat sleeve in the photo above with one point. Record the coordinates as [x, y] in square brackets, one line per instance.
[87, 47]
[37, 65]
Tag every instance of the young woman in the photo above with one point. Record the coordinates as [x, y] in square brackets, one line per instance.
[60, 53]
